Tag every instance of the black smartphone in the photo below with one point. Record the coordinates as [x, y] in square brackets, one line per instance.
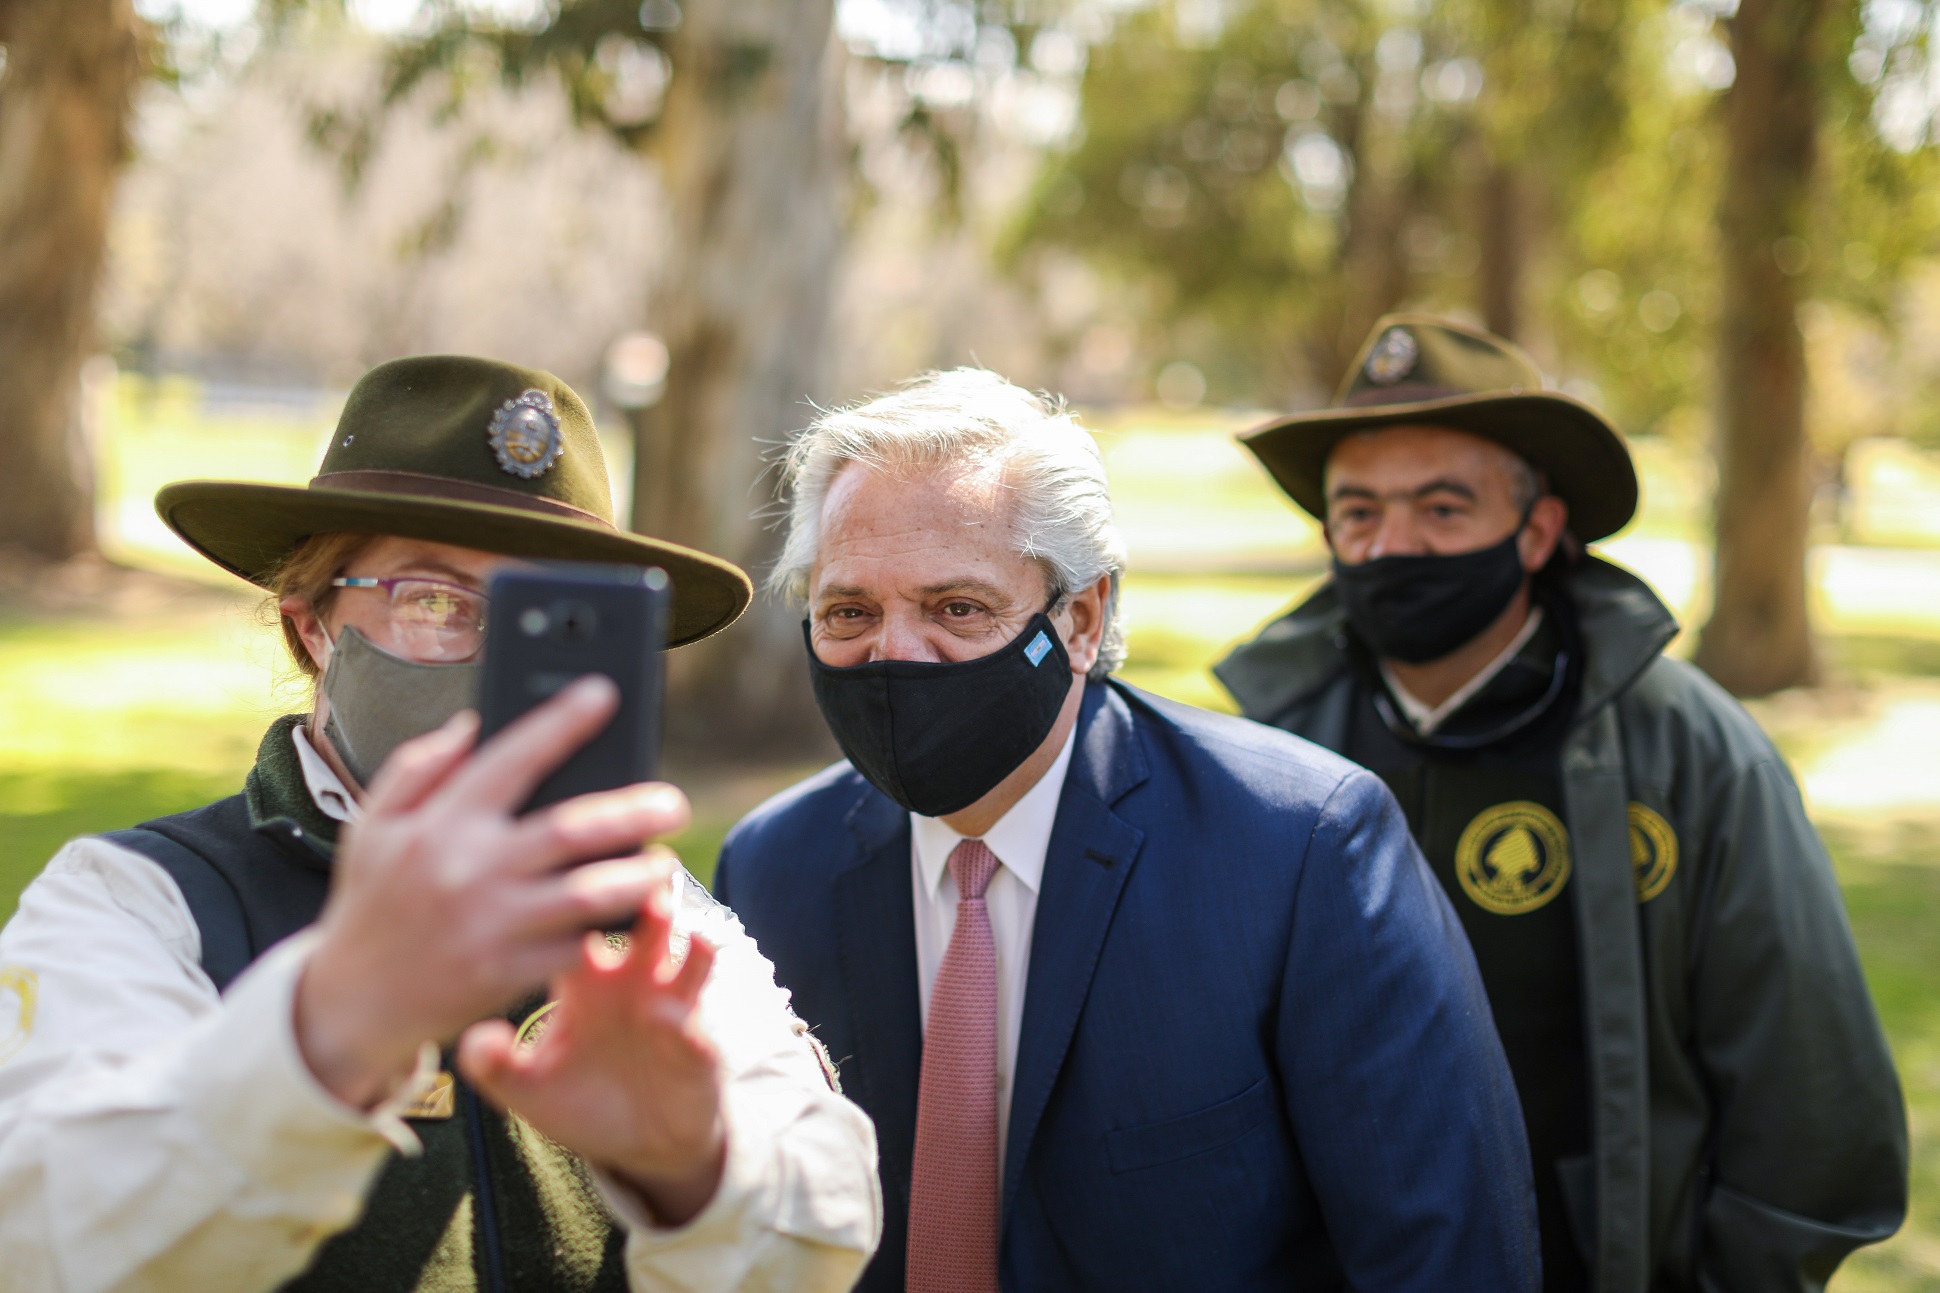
[552, 624]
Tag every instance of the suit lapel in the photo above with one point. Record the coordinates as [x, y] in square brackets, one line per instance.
[876, 942]
[1091, 856]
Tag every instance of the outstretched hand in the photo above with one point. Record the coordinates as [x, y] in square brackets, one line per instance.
[447, 904]
[621, 1074]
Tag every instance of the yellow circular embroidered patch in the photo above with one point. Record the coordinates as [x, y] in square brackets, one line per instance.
[535, 1026]
[1653, 851]
[18, 989]
[1513, 858]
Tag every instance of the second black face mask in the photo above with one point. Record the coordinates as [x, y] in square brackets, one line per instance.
[1420, 608]
[936, 738]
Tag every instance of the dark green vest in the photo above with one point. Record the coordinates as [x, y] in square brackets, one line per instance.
[530, 1219]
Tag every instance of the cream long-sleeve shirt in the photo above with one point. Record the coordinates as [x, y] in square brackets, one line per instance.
[155, 1136]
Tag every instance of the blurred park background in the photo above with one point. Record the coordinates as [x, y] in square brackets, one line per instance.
[1718, 220]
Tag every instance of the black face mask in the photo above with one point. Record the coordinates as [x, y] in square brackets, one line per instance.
[936, 738]
[1417, 609]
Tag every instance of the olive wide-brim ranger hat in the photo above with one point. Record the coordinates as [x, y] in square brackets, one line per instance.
[1421, 370]
[471, 452]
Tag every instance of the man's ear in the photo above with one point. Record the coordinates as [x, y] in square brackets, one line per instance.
[1085, 612]
[309, 629]
[1537, 543]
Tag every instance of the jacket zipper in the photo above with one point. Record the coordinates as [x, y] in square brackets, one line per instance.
[483, 1200]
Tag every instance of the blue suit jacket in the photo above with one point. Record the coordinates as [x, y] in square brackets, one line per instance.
[1255, 1052]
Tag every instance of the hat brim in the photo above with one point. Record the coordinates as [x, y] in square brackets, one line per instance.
[251, 529]
[1582, 456]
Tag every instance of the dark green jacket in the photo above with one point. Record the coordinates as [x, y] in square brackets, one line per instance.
[1748, 1122]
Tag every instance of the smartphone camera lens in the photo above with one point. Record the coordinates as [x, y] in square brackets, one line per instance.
[574, 622]
[534, 621]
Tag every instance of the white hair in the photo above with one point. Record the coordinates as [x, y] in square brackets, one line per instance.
[969, 416]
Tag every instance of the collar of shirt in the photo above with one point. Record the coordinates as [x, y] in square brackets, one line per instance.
[332, 797]
[1020, 839]
[1425, 717]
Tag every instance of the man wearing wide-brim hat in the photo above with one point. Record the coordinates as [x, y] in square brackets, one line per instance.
[348, 1029]
[1709, 1099]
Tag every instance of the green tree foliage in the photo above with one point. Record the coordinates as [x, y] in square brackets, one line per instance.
[1636, 281]
[1216, 177]
[1311, 163]
[607, 58]
[1630, 279]
[1270, 181]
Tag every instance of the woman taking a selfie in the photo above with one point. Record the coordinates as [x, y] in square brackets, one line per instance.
[347, 1029]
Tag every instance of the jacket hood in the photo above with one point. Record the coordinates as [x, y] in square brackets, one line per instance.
[1623, 624]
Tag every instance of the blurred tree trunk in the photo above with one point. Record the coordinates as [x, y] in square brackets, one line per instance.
[1371, 269]
[1373, 276]
[65, 96]
[1503, 248]
[1759, 637]
[750, 149]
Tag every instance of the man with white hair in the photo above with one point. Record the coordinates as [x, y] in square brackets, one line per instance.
[1138, 996]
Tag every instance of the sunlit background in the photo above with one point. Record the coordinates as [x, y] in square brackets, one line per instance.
[1181, 214]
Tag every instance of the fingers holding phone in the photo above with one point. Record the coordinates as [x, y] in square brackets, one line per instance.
[467, 883]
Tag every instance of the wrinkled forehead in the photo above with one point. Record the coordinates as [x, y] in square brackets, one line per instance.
[891, 524]
[1410, 456]
[965, 497]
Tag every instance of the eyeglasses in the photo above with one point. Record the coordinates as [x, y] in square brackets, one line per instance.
[431, 621]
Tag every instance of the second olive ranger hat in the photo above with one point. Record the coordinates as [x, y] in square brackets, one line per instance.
[1419, 369]
[457, 450]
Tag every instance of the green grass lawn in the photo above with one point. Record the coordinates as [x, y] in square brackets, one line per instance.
[1892, 888]
[41, 811]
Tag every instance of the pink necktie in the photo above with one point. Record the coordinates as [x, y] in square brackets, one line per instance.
[953, 1184]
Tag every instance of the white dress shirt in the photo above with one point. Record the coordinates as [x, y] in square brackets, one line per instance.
[1426, 717]
[1020, 839]
[332, 797]
[156, 1136]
